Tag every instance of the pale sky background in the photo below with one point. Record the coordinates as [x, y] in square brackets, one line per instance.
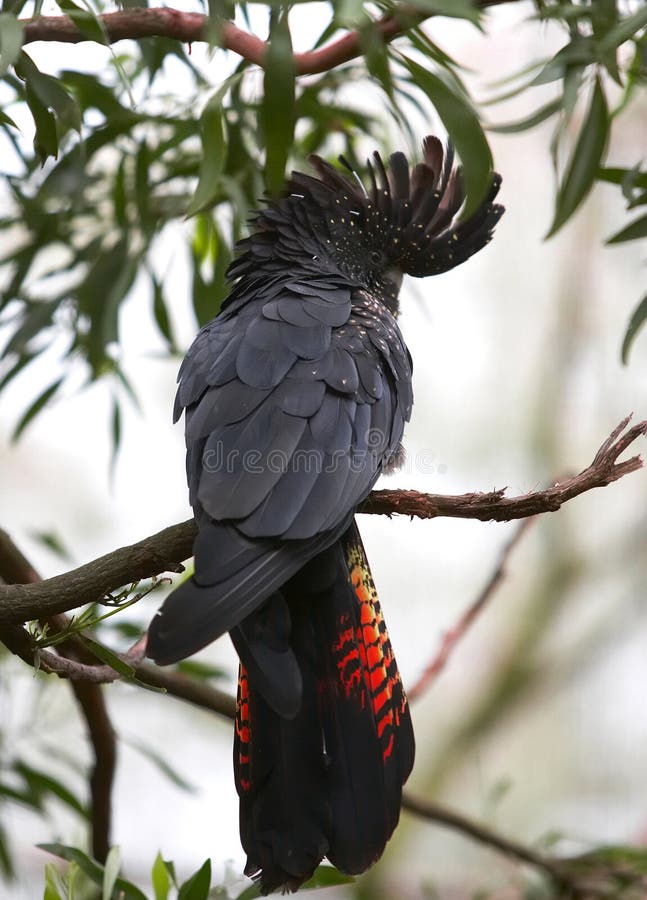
[517, 379]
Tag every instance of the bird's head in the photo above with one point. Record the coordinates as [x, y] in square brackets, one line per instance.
[403, 221]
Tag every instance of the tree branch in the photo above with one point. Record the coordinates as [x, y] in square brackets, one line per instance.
[164, 551]
[135, 24]
[434, 812]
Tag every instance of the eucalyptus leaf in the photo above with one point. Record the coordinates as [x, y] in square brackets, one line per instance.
[278, 115]
[123, 890]
[633, 231]
[536, 118]
[585, 160]
[464, 129]
[637, 320]
[197, 887]
[11, 38]
[85, 20]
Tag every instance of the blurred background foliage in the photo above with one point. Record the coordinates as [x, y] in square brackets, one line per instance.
[100, 165]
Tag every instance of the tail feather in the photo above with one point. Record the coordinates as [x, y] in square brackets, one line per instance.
[327, 782]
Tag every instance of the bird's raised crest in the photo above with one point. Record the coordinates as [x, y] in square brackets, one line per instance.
[407, 212]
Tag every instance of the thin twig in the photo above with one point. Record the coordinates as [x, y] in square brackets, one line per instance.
[458, 631]
[135, 24]
[434, 812]
[164, 551]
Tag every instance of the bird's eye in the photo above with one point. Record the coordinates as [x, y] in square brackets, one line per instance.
[376, 257]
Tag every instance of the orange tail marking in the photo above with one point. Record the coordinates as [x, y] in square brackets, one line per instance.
[243, 732]
[367, 656]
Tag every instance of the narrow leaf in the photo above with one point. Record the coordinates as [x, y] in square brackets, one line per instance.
[109, 658]
[623, 31]
[160, 879]
[197, 887]
[457, 9]
[39, 404]
[163, 765]
[111, 872]
[7, 120]
[212, 133]
[278, 109]
[464, 129]
[530, 121]
[585, 160]
[633, 231]
[43, 784]
[46, 137]
[51, 93]
[637, 319]
[123, 890]
[88, 24]
[11, 37]
[160, 311]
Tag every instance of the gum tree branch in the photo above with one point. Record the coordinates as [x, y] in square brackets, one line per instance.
[165, 551]
[135, 24]
[467, 619]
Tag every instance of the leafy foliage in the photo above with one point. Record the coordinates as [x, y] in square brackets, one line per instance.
[69, 886]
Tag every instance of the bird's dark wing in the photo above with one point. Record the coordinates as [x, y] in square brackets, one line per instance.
[291, 414]
[293, 406]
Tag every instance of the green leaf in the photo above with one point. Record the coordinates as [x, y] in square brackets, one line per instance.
[46, 137]
[278, 112]
[51, 93]
[545, 112]
[324, 876]
[7, 120]
[165, 767]
[464, 129]
[160, 311]
[197, 887]
[108, 657]
[54, 543]
[585, 160]
[39, 404]
[123, 890]
[43, 784]
[160, 878]
[214, 149]
[54, 890]
[623, 31]
[457, 9]
[637, 319]
[11, 37]
[633, 231]
[376, 56]
[85, 20]
[6, 862]
[580, 52]
[111, 872]
[195, 668]
[115, 434]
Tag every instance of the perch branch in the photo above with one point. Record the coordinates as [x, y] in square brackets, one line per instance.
[434, 812]
[164, 551]
[135, 24]
[458, 631]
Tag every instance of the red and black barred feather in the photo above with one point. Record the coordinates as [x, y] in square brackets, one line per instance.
[327, 782]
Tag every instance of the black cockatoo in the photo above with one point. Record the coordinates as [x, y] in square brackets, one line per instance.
[296, 396]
